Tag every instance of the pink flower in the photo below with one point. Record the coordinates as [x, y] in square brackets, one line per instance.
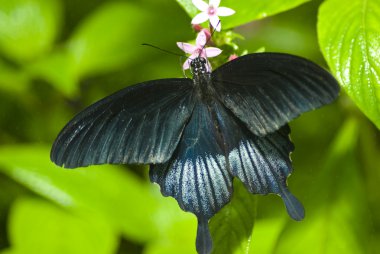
[232, 57]
[198, 50]
[211, 11]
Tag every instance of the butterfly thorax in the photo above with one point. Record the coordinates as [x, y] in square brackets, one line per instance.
[202, 78]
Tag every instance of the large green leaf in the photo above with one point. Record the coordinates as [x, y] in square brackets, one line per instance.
[109, 191]
[232, 227]
[246, 11]
[349, 36]
[28, 28]
[39, 227]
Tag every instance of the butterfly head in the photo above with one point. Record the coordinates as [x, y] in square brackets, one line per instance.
[199, 66]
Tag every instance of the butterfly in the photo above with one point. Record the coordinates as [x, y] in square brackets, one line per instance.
[198, 134]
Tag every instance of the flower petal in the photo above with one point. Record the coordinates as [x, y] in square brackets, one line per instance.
[232, 57]
[199, 18]
[186, 64]
[207, 33]
[212, 51]
[215, 22]
[201, 5]
[201, 39]
[195, 55]
[214, 3]
[224, 11]
[208, 66]
[187, 47]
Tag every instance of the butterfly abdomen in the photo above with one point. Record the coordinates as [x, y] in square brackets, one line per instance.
[204, 89]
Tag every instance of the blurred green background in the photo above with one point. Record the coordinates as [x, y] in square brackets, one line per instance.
[59, 56]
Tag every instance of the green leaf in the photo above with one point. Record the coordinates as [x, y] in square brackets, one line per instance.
[108, 191]
[36, 226]
[189, 7]
[349, 38]
[28, 28]
[246, 11]
[108, 39]
[231, 228]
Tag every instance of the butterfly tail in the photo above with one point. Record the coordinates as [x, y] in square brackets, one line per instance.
[204, 240]
[293, 205]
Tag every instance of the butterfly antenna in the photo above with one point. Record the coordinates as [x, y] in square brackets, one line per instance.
[167, 51]
[212, 33]
[164, 50]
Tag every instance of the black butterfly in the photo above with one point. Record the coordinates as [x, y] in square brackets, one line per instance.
[197, 134]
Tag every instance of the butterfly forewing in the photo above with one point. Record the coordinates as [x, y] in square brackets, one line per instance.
[267, 90]
[139, 124]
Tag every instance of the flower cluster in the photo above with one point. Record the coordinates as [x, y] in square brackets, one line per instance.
[211, 12]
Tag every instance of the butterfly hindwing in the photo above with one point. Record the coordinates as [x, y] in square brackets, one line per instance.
[261, 163]
[197, 175]
[267, 90]
[138, 124]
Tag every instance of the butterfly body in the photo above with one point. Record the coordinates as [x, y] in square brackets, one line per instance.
[197, 135]
[203, 86]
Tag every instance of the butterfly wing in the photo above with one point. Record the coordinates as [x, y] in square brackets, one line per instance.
[138, 124]
[267, 90]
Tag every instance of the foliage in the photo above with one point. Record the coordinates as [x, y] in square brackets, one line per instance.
[351, 47]
[57, 56]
